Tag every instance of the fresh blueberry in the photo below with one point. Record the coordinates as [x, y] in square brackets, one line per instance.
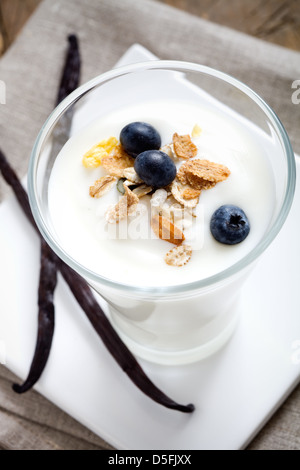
[155, 168]
[229, 225]
[137, 137]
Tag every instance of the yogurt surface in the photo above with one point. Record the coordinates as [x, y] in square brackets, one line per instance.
[135, 256]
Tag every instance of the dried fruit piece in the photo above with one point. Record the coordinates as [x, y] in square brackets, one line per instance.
[196, 132]
[116, 163]
[178, 190]
[102, 186]
[166, 230]
[184, 147]
[202, 174]
[179, 256]
[120, 211]
[93, 157]
[142, 190]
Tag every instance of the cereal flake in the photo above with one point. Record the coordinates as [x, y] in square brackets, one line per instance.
[166, 230]
[117, 162]
[179, 192]
[93, 157]
[202, 174]
[184, 147]
[142, 190]
[102, 186]
[125, 206]
[131, 175]
[169, 150]
[179, 256]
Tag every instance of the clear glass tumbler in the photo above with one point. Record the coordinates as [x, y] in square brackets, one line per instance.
[167, 324]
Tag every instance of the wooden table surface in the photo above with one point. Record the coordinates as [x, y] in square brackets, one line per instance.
[276, 21]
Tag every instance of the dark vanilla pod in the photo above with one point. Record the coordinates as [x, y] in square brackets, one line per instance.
[48, 271]
[47, 284]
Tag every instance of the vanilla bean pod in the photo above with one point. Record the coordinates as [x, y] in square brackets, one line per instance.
[48, 272]
[71, 72]
[92, 309]
[47, 284]
[111, 340]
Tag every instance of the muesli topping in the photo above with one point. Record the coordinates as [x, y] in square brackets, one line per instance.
[184, 147]
[131, 175]
[202, 174]
[197, 131]
[102, 186]
[120, 211]
[172, 205]
[94, 156]
[179, 256]
[166, 230]
[117, 162]
[178, 191]
[142, 190]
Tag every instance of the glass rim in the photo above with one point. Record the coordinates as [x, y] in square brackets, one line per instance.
[171, 65]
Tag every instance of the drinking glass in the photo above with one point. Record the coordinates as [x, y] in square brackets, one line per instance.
[173, 324]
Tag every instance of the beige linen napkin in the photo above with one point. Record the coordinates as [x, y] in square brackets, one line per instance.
[31, 71]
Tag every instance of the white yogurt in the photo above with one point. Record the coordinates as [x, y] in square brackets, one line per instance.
[79, 220]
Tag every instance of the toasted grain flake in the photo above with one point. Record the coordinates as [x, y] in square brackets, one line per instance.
[172, 210]
[131, 197]
[190, 193]
[202, 174]
[142, 190]
[93, 157]
[127, 182]
[179, 256]
[184, 147]
[168, 149]
[166, 230]
[197, 182]
[131, 175]
[117, 162]
[120, 211]
[196, 132]
[178, 190]
[102, 186]
[181, 175]
[137, 209]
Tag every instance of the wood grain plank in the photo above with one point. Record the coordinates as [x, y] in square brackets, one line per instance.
[13, 16]
[277, 21]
